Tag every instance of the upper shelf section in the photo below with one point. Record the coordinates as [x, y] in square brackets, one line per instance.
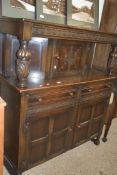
[25, 29]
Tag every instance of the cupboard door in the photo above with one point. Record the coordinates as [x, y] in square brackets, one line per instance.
[61, 132]
[90, 119]
[49, 134]
[99, 113]
[82, 126]
[69, 57]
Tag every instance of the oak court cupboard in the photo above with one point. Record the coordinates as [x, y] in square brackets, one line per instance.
[56, 98]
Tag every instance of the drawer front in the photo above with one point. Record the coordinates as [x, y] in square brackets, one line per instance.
[95, 91]
[51, 99]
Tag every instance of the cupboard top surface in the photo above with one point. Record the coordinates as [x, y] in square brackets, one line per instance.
[39, 81]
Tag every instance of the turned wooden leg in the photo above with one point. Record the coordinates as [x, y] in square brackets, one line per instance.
[23, 63]
[107, 127]
[112, 114]
[96, 140]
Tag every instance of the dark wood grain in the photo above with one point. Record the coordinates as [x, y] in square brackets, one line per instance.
[64, 99]
[57, 113]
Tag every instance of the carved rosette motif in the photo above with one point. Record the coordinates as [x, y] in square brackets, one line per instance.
[23, 63]
[112, 61]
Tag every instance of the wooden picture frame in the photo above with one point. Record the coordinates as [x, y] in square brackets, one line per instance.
[83, 13]
[47, 10]
[17, 9]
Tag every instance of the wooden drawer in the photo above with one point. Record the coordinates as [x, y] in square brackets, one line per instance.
[94, 91]
[51, 99]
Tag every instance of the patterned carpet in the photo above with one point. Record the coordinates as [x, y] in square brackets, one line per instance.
[86, 159]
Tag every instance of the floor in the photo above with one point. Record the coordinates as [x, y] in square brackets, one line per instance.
[86, 159]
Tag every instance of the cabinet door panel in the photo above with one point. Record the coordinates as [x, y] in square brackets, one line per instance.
[62, 127]
[48, 134]
[82, 127]
[81, 134]
[39, 128]
[95, 126]
[61, 122]
[68, 57]
[37, 153]
[85, 112]
[90, 119]
[58, 144]
[99, 109]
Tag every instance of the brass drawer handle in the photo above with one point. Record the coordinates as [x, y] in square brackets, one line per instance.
[89, 90]
[40, 99]
[69, 129]
[71, 94]
[108, 86]
[96, 89]
[78, 126]
[86, 90]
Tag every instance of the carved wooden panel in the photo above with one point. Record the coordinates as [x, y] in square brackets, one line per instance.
[82, 127]
[81, 134]
[69, 57]
[89, 119]
[98, 116]
[95, 127]
[48, 134]
[43, 29]
[63, 32]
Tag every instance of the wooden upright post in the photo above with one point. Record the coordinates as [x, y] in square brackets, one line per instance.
[2, 105]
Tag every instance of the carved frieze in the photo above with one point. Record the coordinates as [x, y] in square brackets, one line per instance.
[49, 30]
[53, 31]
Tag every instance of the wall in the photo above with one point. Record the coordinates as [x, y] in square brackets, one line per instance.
[101, 4]
[108, 24]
